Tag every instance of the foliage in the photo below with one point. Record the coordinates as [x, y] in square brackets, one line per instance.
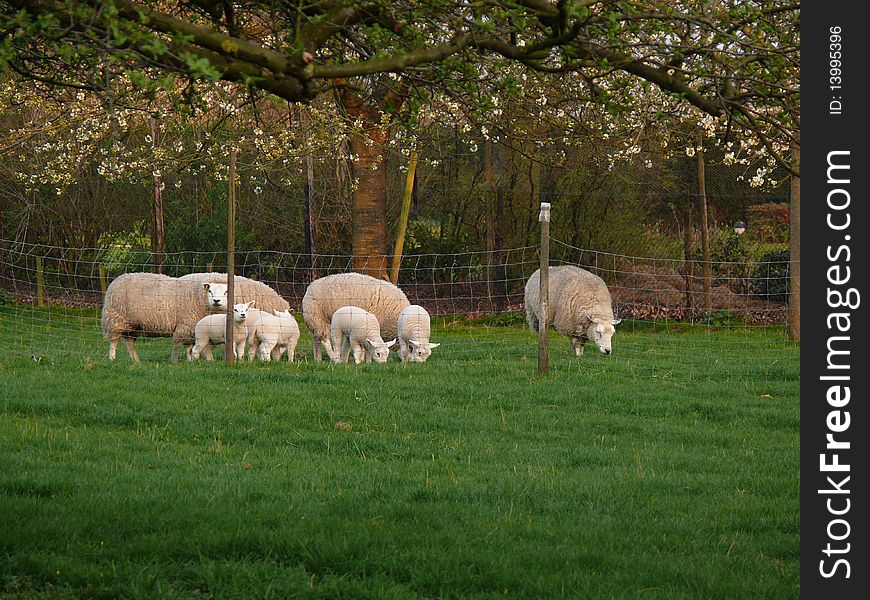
[769, 221]
[5, 298]
[771, 279]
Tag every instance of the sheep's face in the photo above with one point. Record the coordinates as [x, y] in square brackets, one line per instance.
[240, 311]
[419, 351]
[601, 332]
[217, 295]
[380, 351]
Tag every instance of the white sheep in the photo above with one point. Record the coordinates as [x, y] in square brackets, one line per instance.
[269, 335]
[154, 305]
[353, 328]
[244, 289]
[413, 334]
[212, 329]
[326, 295]
[579, 306]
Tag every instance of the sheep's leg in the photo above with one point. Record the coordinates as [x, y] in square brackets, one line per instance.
[315, 348]
[113, 348]
[345, 350]
[291, 353]
[240, 350]
[358, 353]
[578, 345]
[176, 350]
[131, 348]
[209, 355]
[403, 350]
[253, 347]
[277, 352]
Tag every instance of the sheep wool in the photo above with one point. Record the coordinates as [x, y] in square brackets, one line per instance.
[244, 290]
[326, 295]
[152, 305]
[414, 329]
[579, 306]
[357, 330]
[270, 335]
[212, 330]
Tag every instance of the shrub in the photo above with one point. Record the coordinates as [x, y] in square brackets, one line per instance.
[770, 221]
[770, 280]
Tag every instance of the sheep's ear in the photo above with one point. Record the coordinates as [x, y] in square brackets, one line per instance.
[591, 318]
[390, 343]
[434, 345]
[616, 321]
[370, 344]
[250, 304]
[412, 343]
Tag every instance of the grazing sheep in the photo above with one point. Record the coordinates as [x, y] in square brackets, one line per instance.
[212, 329]
[154, 305]
[269, 335]
[353, 328]
[326, 295]
[244, 290]
[413, 334]
[579, 307]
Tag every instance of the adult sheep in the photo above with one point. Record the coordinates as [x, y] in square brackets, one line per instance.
[326, 295]
[154, 305]
[265, 298]
[579, 307]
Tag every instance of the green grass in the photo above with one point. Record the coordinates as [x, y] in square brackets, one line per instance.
[669, 469]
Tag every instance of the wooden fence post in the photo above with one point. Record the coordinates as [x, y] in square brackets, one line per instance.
[231, 260]
[104, 284]
[40, 282]
[403, 218]
[543, 330]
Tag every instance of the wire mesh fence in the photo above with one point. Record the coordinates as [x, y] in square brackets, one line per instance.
[673, 321]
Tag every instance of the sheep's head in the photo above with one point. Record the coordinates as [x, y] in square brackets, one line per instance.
[380, 350]
[601, 332]
[419, 351]
[240, 311]
[217, 295]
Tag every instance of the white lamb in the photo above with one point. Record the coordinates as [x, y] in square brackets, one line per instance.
[269, 335]
[579, 306]
[154, 305]
[353, 328]
[326, 295]
[211, 330]
[414, 330]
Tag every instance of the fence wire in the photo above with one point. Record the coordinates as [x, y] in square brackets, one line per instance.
[51, 299]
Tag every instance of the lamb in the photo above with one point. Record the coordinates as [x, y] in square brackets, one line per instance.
[579, 307]
[353, 328]
[269, 335]
[211, 330]
[154, 305]
[413, 334]
[326, 295]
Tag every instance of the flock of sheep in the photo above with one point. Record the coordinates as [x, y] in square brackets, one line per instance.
[345, 313]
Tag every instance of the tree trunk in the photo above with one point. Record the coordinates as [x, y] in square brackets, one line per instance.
[403, 218]
[794, 242]
[687, 258]
[369, 211]
[490, 221]
[310, 225]
[368, 147]
[705, 229]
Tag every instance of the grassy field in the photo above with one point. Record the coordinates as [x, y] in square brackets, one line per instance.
[669, 469]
